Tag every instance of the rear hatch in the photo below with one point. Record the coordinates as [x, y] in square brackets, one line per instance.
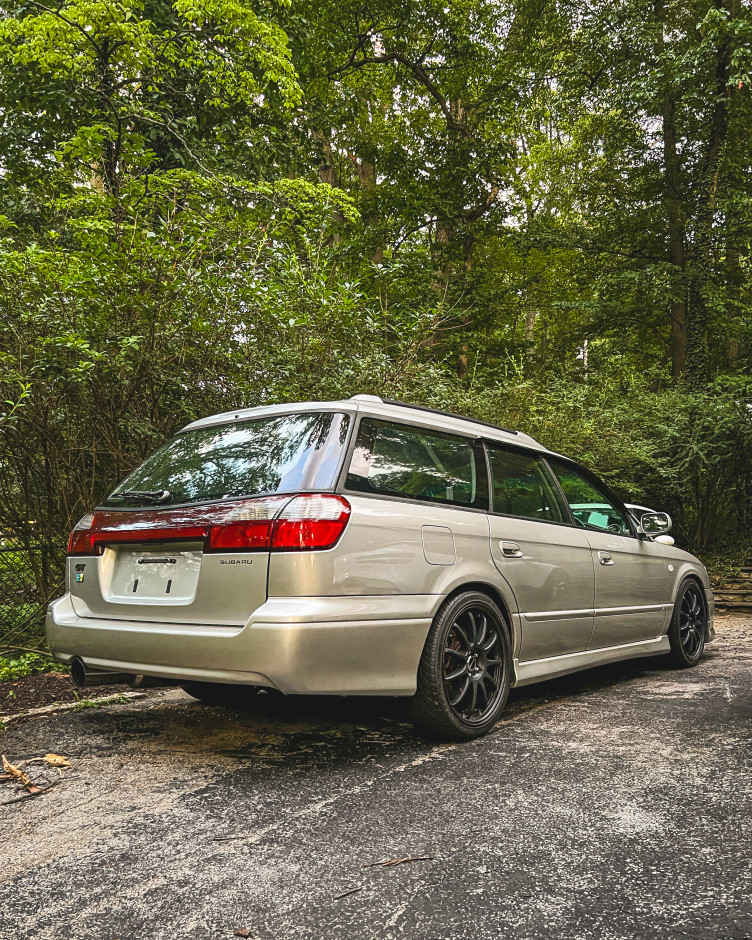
[185, 538]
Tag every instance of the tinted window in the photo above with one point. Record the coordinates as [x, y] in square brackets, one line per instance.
[281, 454]
[522, 486]
[398, 460]
[590, 506]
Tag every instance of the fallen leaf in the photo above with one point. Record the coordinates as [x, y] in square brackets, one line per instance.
[15, 772]
[56, 760]
[242, 932]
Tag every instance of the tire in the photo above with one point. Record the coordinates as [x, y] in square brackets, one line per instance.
[220, 693]
[689, 624]
[465, 670]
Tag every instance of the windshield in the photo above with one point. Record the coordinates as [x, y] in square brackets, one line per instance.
[280, 454]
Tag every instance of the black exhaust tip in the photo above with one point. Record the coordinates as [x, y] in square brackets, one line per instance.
[78, 671]
[85, 677]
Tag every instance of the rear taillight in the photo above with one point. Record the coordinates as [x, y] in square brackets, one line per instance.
[281, 523]
[246, 526]
[78, 540]
[309, 522]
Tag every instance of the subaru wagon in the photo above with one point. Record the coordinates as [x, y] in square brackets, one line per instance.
[369, 547]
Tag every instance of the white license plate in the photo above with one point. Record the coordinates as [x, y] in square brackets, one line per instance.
[155, 577]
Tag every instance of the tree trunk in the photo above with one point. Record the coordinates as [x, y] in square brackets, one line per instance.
[673, 201]
[698, 352]
[327, 168]
[366, 170]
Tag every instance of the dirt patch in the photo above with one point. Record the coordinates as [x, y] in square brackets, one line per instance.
[20, 695]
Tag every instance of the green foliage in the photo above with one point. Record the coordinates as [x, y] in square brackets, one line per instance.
[27, 664]
[532, 212]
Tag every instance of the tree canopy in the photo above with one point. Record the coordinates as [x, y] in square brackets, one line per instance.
[535, 211]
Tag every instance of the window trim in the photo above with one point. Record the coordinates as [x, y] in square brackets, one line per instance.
[481, 465]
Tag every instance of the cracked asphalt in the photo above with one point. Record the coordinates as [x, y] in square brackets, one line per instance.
[612, 804]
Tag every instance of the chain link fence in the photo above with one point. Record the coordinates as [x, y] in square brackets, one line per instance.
[23, 603]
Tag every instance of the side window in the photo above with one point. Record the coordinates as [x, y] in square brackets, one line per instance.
[591, 508]
[398, 460]
[522, 486]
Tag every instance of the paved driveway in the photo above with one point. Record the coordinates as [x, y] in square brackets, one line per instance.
[609, 805]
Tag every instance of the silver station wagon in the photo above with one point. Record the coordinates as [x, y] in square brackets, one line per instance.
[369, 547]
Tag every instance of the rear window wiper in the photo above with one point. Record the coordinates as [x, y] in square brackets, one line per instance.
[149, 496]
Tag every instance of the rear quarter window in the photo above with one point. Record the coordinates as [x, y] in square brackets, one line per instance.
[415, 463]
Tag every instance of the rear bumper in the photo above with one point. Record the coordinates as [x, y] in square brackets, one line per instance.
[306, 645]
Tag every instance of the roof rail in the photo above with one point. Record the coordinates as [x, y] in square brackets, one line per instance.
[437, 411]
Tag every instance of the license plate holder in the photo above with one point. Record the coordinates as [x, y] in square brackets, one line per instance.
[155, 577]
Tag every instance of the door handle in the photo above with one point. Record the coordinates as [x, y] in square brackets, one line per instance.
[605, 558]
[510, 549]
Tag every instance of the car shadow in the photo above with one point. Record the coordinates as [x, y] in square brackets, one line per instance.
[278, 710]
[311, 733]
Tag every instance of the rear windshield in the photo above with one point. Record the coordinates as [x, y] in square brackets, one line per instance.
[281, 454]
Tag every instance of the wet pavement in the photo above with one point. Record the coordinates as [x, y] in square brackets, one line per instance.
[612, 804]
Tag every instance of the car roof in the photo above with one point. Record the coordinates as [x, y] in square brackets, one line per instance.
[377, 407]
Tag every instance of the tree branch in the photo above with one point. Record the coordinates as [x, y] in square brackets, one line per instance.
[65, 19]
[418, 72]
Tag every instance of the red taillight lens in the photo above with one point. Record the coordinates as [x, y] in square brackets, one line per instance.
[274, 522]
[79, 541]
[245, 527]
[309, 522]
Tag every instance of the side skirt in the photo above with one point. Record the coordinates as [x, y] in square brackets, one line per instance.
[539, 669]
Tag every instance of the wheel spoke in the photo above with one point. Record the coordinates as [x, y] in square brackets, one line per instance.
[458, 653]
[474, 699]
[461, 694]
[461, 634]
[473, 632]
[490, 642]
[482, 633]
[482, 691]
[492, 662]
[492, 681]
[461, 671]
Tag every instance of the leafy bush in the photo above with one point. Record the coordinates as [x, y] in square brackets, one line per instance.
[27, 664]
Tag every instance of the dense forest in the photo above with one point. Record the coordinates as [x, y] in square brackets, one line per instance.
[537, 212]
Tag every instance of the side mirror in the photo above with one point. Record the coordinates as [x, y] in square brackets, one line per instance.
[655, 523]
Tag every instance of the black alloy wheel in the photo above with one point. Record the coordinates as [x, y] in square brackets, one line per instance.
[465, 671]
[689, 625]
[473, 665]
